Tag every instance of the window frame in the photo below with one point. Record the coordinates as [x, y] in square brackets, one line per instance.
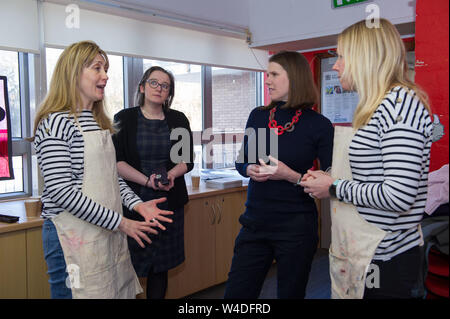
[20, 146]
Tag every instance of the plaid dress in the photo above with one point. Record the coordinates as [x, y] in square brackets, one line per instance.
[167, 248]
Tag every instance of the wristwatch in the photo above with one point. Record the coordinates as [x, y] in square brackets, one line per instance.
[298, 181]
[332, 189]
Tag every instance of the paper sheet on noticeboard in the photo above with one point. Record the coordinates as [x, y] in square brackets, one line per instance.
[337, 105]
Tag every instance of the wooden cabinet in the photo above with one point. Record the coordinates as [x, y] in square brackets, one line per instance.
[211, 227]
[23, 271]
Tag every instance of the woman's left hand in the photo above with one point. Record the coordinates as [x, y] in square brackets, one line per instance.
[152, 213]
[279, 171]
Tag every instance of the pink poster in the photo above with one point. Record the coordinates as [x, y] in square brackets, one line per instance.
[6, 171]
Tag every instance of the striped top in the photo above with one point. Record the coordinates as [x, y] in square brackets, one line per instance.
[60, 154]
[389, 159]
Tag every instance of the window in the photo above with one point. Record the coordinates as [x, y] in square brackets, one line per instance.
[217, 102]
[114, 98]
[235, 93]
[17, 68]
[188, 89]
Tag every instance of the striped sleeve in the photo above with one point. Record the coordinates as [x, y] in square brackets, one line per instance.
[129, 198]
[56, 149]
[398, 132]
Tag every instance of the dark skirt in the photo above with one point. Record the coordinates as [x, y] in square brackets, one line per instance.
[166, 250]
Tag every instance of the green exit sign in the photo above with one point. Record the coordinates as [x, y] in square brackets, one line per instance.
[343, 3]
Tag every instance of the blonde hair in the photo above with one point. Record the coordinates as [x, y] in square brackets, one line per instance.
[375, 62]
[63, 94]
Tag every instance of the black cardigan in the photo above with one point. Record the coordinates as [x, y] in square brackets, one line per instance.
[126, 149]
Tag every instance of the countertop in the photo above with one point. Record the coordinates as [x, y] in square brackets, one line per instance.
[17, 207]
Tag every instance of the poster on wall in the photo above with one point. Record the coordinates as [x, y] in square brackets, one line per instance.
[6, 171]
[337, 104]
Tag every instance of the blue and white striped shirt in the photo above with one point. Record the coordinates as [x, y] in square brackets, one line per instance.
[389, 159]
[60, 154]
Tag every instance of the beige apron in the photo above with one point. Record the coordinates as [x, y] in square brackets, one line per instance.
[97, 259]
[353, 239]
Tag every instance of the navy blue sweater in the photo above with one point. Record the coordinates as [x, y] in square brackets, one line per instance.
[276, 201]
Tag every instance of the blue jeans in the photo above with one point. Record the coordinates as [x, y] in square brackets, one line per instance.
[56, 264]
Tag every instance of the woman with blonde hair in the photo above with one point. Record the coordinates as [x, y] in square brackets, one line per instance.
[388, 161]
[84, 230]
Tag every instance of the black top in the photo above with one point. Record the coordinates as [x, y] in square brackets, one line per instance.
[275, 202]
[125, 142]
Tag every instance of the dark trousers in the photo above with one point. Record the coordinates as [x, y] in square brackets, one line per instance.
[156, 284]
[399, 278]
[254, 253]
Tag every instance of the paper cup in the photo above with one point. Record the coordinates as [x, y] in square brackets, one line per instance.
[195, 181]
[33, 208]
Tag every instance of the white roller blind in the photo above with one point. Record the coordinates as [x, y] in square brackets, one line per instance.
[19, 25]
[126, 36]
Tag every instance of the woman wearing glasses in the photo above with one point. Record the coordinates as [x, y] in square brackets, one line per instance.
[143, 150]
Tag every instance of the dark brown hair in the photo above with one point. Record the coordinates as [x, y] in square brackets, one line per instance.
[302, 90]
[140, 97]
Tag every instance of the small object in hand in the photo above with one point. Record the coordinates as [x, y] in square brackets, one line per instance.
[153, 220]
[161, 176]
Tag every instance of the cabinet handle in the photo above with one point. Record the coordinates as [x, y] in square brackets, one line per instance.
[213, 212]
[220, 214]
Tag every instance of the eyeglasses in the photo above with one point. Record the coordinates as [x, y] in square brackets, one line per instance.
[154, 84]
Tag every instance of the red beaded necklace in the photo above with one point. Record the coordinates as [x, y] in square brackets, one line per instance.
[288, 127]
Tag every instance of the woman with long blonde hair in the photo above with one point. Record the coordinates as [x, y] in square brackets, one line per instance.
[389, 156]
[84, 230]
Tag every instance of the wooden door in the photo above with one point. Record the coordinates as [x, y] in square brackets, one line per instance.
[230, 207]
[13, 265]
[198, 270]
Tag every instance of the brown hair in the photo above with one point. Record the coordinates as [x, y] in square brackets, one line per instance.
[302, 90]
[140, 97]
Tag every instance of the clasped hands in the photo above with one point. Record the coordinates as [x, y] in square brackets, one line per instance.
[317, 183]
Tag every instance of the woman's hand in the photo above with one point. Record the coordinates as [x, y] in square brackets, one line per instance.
[317, 183]
[152, 213]
[137, 230]
[279, 171]
[253, 171]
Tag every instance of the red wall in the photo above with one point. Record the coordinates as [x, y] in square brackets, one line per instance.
[432, 22]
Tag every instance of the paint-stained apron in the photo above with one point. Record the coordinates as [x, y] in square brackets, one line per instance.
[353, 239]
[97, 259]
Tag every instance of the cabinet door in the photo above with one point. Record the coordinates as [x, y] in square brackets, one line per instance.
[230, 207]
[38, 286]
[13, 265]
[198, 270]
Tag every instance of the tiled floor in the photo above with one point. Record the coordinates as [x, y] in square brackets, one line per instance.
[318, 285]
